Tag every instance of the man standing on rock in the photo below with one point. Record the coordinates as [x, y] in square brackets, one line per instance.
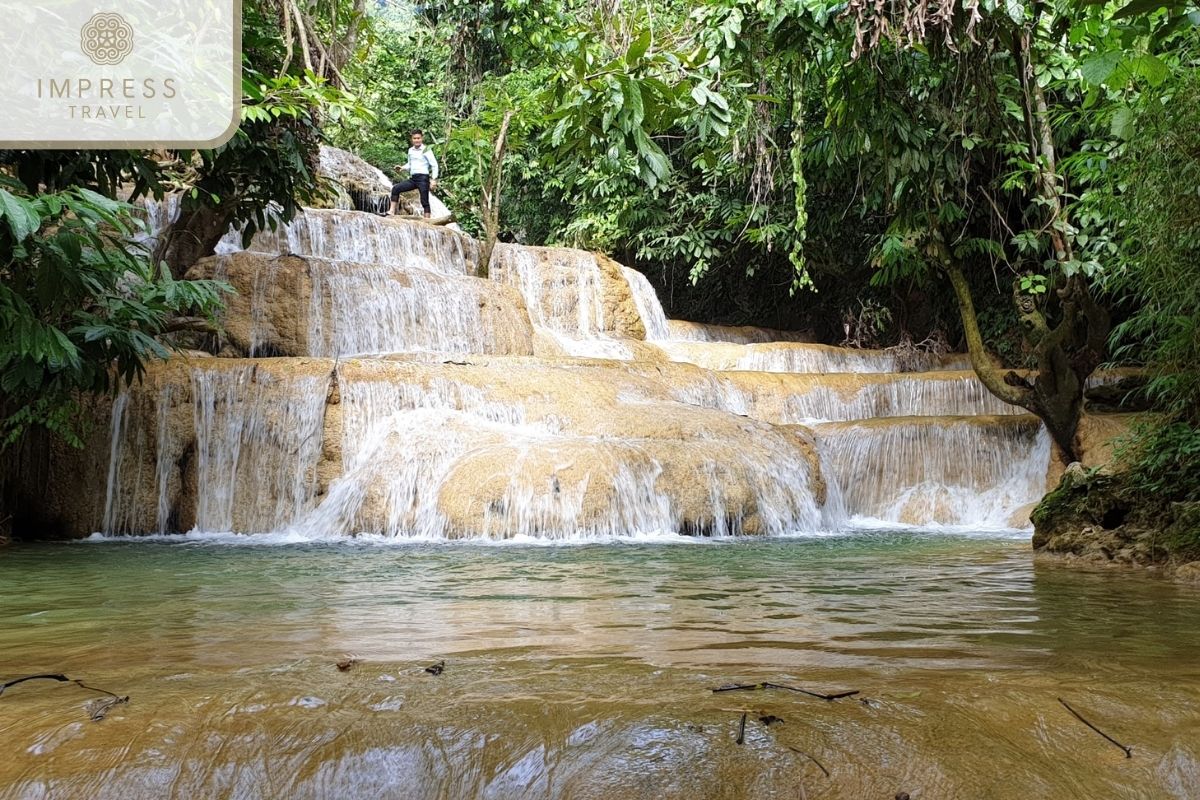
[422, 168]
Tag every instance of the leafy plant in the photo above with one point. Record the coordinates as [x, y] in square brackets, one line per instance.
[81, 305]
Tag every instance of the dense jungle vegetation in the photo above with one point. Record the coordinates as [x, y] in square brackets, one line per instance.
[1018, 179]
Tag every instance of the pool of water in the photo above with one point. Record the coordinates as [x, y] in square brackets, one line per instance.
[587, 671]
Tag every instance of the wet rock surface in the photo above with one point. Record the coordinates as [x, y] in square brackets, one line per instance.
[373, 383]
[1091, 516]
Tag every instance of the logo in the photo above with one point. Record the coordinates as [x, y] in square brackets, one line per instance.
[106, 39]
[161, 73]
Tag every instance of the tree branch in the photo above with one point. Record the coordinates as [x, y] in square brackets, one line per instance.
[981, 361]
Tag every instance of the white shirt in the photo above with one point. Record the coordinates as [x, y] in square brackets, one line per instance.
[421, 161]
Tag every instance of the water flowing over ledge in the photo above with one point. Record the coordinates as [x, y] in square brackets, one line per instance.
[406, 396]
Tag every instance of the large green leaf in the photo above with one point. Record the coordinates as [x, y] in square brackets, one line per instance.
[1149, 67]
[1098, 68]
[1137, 7]
[20, 215]
[638, 48]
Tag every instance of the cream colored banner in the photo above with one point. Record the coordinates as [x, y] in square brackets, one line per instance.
[119, 73]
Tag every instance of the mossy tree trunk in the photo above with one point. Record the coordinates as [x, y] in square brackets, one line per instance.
[1069, 352]
[1066, 355]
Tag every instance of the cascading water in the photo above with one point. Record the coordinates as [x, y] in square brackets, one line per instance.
[572, 298]
[446, 458]
[804, 358]
[906, 395]
[561, 288]
[682, 331]
[946, 471]
[244, 484]
[706, 437]
[369, 239]
[364, 308]
[654, 319]
[252, 439]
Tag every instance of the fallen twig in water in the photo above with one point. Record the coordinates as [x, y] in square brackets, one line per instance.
[83, 685]
[810, 758]
[734, 687]
[15, 681]
[99, 708]
[741, 737]
[836, 696]
[1078, 716]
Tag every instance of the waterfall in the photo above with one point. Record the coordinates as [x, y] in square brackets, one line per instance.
[626, 423]
[654, 319]
[561, 287]
[157, 214]
[805, 398]
[258, 441]
[254, 438]
[114, 520]
[682, 331]
[369, 239]
[447, 458]
[804, 358]
[364, 308]
[950, 471]
[164, 463]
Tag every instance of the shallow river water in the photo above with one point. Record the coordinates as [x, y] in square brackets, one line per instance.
[587, 671]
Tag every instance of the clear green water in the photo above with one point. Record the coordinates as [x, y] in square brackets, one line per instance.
[586, 671]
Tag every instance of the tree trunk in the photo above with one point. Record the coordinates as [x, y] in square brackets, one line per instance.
[1066, 356]
[1068, 353]
[492, 188]
[192, 237]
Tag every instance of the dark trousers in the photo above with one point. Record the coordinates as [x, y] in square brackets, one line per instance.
[418, 182]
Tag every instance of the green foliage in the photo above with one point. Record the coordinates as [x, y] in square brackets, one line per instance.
[1156, 184]
[1162, 458]
[403, 80]
[271, 162]
[743, 138]
[81, 306]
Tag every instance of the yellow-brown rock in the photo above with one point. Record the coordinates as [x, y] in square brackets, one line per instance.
[362, 308]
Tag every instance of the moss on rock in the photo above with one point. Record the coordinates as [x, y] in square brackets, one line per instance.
[1096, 517]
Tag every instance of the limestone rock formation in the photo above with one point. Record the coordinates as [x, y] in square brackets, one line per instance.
[351, 172]
[370, 239]
[551, 398]
[574, 293]
[410, 446]
[683, 331]
[361, 186]
[303, 305]
[1092, 515]
[800, 357]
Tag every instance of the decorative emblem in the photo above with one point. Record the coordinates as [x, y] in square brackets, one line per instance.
[106, 38]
